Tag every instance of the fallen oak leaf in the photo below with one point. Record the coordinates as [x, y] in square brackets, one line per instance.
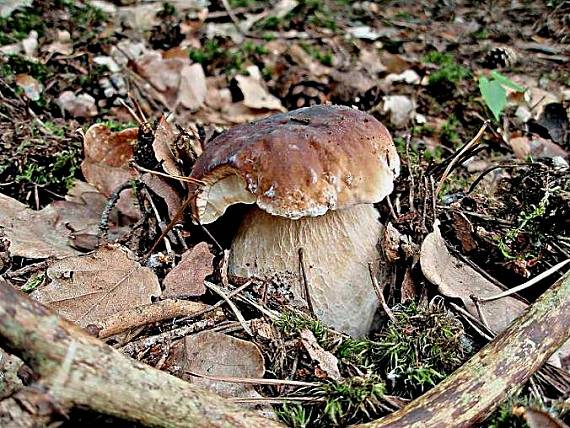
[88, 288]
[187, 277]
[216, 354]
[457, 280]
[106, 163]
[33, 234]
[79, 215]
[164, 138]
[255, 95]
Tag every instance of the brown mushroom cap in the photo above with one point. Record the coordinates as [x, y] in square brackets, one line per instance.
[298, 164]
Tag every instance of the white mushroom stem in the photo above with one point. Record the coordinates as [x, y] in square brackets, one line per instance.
[337, 247]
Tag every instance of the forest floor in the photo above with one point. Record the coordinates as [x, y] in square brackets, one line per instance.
[475, 95]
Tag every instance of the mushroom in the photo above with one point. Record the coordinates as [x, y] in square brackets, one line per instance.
[313, 175]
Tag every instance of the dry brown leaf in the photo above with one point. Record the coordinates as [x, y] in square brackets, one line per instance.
[33, 234]
[165, 190]
[175, 78]
[86, 289]
[164, 138]
[391, 243]
[537, 147]
[327, 361]
[79, 216]
[193, 90]
[256, 96]
[187, 277]
[457, 280]
[106, 163]
[215, 354]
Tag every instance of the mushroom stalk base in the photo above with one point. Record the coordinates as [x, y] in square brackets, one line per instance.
[337, 249]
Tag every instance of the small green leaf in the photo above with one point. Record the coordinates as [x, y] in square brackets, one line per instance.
[504, 80]
[494, 95]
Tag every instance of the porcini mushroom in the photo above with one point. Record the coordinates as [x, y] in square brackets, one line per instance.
[313, 175]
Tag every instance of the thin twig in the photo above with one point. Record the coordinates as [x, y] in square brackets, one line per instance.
[161, 224]
[527, 284]
[171, 176]
[112, 201]
[473, 322]
[275, 400]
[475, 300]
[455, 159]
[380, 294]
[28, 269]
[254, 381]
[306, 290]
[232, 16]
[412, 181]
[231, 304]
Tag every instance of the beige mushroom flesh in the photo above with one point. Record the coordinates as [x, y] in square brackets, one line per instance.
[313, 176]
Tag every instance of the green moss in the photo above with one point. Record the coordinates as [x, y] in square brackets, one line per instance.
[292, 323]
[295, 415]
[415, 352]
[448, 133]
[33, 283]
[339, 403]
[115, 126]
[325, 57]
[213, 53]
[19, 24]
[58, 173]
[18, 64]
[54, 129]
[525, 224]
[448, 75]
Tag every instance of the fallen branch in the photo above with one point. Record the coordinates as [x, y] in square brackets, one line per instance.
[80, 370]
[502, 367]
[147, 314]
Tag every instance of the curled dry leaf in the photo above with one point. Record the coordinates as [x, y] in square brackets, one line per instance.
[33, 234]
[175, 78]
[187, 277]
[457, 280]
[80, 215]
[106, 163]
[86, 289]
[164, 138]
[391, 243]
[215, 354]
[536, 418]
[255, 94]
[327, 361]
[536, 147]
[193, 90]
[164, 189]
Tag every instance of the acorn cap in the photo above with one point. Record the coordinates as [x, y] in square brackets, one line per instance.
[298, 164]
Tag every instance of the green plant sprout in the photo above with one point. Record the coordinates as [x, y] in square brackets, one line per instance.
[494, 93]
